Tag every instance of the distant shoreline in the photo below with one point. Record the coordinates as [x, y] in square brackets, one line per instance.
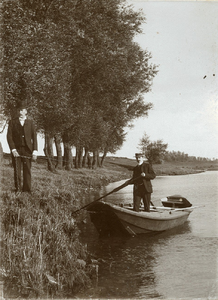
[124, 166]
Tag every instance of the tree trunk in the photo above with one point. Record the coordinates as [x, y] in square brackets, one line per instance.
[59, 164]
[103, 157]
[90, 160]
[68, 158]
[95, 159]
[99, 160]
[1, 157]
[85, 158]
[79, 157]
[49, 151]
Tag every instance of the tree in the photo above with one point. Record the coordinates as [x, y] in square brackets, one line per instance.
[112, 72]
[85, 76]
[144, 142]
[153, 151]
[33, 52]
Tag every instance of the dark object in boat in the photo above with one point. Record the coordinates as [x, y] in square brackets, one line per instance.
[175, 201]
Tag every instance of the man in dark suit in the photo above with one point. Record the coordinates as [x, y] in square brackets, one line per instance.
[22, 141]
[142, 175]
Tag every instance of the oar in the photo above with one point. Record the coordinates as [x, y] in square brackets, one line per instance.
[113, 191]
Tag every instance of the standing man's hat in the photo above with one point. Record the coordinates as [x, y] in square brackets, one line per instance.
[139, 155]
[21, 105]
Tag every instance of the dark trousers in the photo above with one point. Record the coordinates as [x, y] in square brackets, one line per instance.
[18, 164]
[141, 194]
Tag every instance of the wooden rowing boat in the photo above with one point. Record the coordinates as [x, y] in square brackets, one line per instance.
[111, 219]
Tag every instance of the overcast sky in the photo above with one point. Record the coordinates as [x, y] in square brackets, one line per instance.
[183, 40]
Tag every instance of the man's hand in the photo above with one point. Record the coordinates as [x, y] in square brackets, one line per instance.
[143, 174]
[15, 153]
[34, 157]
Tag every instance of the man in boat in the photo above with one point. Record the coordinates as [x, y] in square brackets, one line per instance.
[142, 186]
[22, 140]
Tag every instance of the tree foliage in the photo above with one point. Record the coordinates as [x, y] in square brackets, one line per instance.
[153, 151]
[84, 75]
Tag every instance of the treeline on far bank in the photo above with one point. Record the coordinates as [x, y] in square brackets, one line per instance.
[171, 156]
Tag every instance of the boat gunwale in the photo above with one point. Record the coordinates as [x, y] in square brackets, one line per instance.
[147, 215]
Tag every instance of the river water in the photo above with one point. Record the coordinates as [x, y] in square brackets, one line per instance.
[181, 263]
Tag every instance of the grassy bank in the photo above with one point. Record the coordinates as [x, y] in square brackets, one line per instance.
[41, 252]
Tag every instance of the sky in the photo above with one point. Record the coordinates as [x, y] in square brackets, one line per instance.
[183, 40]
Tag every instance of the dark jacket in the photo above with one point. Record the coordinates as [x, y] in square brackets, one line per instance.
[149, 174]
[14, 134]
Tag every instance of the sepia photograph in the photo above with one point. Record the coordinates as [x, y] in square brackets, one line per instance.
[109, 149]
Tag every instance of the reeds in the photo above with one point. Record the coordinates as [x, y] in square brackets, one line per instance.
[42, 254]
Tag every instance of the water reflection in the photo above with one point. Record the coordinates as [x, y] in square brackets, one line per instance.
[179, 263]
[131, 261]
[127, 264]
